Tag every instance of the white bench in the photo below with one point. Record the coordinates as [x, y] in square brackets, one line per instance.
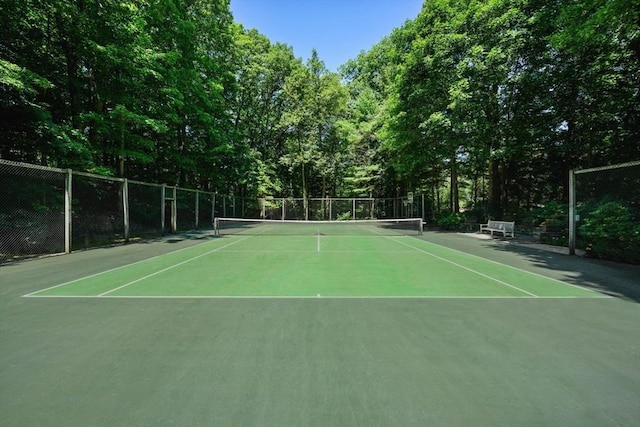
[504, 227]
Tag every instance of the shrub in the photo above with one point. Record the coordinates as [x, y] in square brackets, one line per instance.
[552, 217]
[344, 216]
[450, 221]
[610, 232]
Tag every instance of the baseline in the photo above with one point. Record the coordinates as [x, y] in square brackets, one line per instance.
[346, 297]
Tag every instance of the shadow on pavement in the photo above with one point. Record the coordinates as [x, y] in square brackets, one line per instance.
[607, 277]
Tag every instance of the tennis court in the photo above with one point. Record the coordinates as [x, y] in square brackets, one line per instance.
[315, 324]
[298, 259]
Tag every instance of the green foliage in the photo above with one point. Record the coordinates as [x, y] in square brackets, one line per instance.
[611, 232]
[450, 221]
[344, 216]
[482, 104]
[316, 99]
[551, 217]
[20, 79]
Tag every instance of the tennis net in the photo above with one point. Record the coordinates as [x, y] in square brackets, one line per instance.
[373, 227]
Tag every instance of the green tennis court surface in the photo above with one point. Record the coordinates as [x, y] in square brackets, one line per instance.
[319, 328]
[266, 265]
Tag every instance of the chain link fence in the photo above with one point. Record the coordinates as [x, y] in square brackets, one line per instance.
[606, 212]
[47, 210]
[145, 209]
[97, 211]
[32, 211]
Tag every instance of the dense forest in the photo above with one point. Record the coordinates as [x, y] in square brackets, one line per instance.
[483, 104]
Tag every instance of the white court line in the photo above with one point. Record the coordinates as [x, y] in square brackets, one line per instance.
[463, 267]
[331, 251]
[468, 269]
[346, 297]
[116, 268]
[171, 267]
[414, 249]
[518, 269]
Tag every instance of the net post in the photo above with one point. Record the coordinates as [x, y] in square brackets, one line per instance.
[572, 212]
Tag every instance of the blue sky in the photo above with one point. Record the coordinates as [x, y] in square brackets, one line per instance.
[337, 29]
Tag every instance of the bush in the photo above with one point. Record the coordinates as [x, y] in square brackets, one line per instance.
[450, 221]
[610, 232]
[553, 216]
[344, 216]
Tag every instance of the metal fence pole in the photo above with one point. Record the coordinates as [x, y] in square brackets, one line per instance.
[162, 207]
[213, 207]
[68, 211]
[174, 210]
[125, 208]
[197, 207]
[572, 213]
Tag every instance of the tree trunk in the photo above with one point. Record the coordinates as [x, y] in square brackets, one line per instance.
[304, 192]
[454, 200]
[495, 189]
[122, 147]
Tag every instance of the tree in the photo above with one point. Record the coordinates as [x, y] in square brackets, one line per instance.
[315, 100]
[259, 103]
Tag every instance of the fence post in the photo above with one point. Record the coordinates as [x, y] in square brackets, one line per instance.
[174, 210]
[67, 211]
[162, 208]
[197, 207]
[125, 208]
[213, 207]
[572, 213]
